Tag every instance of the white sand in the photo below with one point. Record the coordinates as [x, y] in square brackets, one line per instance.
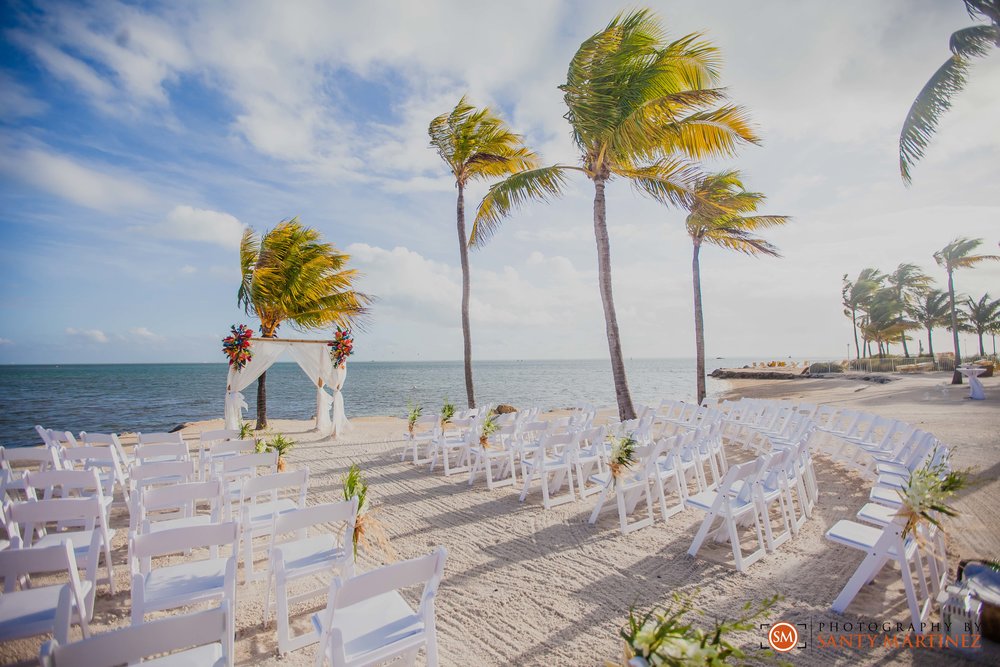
[527, 586]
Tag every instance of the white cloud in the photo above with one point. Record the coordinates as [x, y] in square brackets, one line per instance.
[142, 333]
[6, 341]
[89, 186]
[17, 100]
[188, 270]
[187, 223]
[92, 335]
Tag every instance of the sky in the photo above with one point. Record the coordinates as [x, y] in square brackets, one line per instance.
[138, 141]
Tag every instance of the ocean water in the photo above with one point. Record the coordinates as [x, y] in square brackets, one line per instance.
[158, 397]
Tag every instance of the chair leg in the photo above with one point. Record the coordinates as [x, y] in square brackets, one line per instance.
[702, 533]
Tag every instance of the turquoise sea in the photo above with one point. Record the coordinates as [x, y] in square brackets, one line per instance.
[157, 397]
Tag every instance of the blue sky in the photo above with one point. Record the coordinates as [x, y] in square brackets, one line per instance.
[137, 140]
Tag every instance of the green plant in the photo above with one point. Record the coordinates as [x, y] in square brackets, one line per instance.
[368, 530]
[490, 426]
[622, 454]
[413, 414]
[447, 411]
[826, 367]
[928, 492]
[246, 430]
[667, 638]
[281, 444]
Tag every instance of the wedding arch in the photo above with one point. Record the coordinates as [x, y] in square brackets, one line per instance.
[313, 357]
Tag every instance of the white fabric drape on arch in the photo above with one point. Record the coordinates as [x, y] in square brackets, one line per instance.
[314, 359]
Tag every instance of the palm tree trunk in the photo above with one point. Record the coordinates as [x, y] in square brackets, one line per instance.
[262, 393]
[956, 377]
[854, 322]
[463, 249]
[906, 352]
[982, 350]
[624, 398]
[699, 322]
[930, 343]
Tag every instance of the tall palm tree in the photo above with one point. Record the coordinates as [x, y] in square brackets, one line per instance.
[290, 275]
[958, 255]
[884, 322]
[935, 98]
[642, 109]
[721, 214]
[983, 316]
[476, 145]
[908, 281]
[930, 310]
[857, 295]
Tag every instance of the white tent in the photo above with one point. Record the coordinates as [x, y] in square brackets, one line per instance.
[313, 356]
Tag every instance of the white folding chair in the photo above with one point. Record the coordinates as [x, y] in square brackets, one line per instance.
[588, 459]
[207, 440]
[498, 452]
[211, 464]
[104, 461]
[425, 430]
[83, 517]
[551, 466]
[307, 556]
[159, 473]
[457, 442]
[192, 581]
[160, 452]
[108, 440]
[189, 639]
[667, 473]
[178, 506]
[367, 621]
[882, 544]
[262, 501]
[238, 469]
[18, 461]
[630, 488]
[34, 610]
[731, 502]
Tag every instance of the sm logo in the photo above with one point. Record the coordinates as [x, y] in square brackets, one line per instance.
[783, 637]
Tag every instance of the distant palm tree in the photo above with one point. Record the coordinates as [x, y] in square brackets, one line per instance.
[935, 97]
[930, 310]
[476, 145]
[290, 275]
[983, 317]
[640, 109]
[709, 222]
[884, 322]
[857, 295]
[958, 255]
[908, 282]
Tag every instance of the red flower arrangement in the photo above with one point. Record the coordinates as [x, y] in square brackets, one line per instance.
[236, 346]
[342, 346]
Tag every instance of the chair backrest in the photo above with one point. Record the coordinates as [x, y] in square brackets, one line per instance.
[18, 461]
[178, 500]
[246, 465]
[31, 519]
[175, 540]
[111, 440]
[161, 451]
[300, 520]
[63, 483]
[740, 472]
[273, 485]
[174, 438]
[129, 645]
[206, 437]
[425, 571]
[89, 457]
[159, 473]
[16, 564]
[226, 447]
[61, 438]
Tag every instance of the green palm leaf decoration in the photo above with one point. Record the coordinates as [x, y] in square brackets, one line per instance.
[640, 108]
[935, 98]
[288, 274]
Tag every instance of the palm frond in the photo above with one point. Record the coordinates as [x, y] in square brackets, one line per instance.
[513, 192]
[671, 181]
[975, 41]
[925, 114]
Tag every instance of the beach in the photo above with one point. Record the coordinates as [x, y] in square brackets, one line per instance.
[527, 586]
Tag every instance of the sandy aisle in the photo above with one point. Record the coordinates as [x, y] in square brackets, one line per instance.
[527, 586]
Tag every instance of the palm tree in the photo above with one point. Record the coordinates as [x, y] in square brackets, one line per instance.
[290, 275]
[983, 317]
[708, 222]
[935, 98]
[476, 145]
[884, 322]
[857, 295]
[640, 109]
[930, 310]
[958, 255]
[908, 281]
